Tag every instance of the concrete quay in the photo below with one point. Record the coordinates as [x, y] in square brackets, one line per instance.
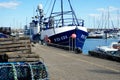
[65, 65]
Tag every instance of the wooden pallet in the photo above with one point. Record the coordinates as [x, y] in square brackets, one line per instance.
[16, 50]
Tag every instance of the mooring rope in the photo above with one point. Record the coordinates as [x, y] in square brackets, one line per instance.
[14, 71]
[31, 71]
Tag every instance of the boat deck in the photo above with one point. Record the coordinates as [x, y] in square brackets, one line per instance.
[65, 65]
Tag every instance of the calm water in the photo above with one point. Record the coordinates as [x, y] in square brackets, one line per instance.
[90, 44]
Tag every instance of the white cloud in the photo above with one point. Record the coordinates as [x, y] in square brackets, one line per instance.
[110, 8]
[101, 9]
[10, 4]
[94, 15]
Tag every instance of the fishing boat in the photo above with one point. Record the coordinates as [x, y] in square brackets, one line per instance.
[61, 28]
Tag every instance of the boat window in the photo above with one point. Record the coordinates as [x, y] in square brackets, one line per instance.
[112, 52]
[118, 53]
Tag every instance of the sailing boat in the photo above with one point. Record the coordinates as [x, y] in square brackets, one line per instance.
[62, 28]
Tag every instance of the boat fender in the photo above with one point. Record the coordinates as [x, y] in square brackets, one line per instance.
[78, 50]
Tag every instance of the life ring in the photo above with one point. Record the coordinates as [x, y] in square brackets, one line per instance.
[49, 41]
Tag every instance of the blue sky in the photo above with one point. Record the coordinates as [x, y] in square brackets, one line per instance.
[17, 13]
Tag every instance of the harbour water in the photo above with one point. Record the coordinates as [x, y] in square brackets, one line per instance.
[91, 44]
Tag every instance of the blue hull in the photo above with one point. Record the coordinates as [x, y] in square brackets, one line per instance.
[66, 40]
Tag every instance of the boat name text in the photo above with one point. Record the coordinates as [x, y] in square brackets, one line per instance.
[61, 38]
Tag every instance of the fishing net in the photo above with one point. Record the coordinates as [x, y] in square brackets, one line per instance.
[23, 71]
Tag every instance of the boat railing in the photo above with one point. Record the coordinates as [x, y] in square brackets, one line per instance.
[68, 22]
[56, 23]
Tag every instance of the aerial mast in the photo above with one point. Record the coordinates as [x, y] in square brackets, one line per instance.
[40, 9]
[62, 12]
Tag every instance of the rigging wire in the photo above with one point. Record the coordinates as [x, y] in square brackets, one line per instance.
[73, 12]
[49, 6]
[45, 4]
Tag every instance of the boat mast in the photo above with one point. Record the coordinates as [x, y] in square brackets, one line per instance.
[62, 13]
[73, 13]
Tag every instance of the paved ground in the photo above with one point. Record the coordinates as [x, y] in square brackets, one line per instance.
[65, 65]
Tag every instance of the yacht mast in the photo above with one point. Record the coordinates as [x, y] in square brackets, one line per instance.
[117, 19]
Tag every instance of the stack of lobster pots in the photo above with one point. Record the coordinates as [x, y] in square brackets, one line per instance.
[17, 50]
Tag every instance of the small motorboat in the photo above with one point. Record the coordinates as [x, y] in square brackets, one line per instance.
[106, 52]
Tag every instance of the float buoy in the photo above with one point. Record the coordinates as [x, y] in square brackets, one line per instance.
[73, 36]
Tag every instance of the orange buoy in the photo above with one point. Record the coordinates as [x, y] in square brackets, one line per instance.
[73, 36]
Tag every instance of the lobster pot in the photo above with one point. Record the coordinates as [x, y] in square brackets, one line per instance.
[23, 71]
